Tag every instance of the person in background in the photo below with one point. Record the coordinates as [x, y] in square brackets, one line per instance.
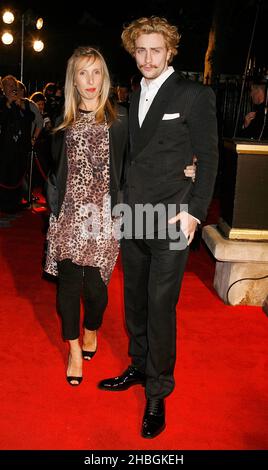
[16, 121]
[89, 146]
[43, 142]
[59, 100]
[25, 104]
[255, 122]
[33, 178]
[54, 101]
[135, 81]
[39, 99]
[170, 120]
[49, 92]
[122, 94]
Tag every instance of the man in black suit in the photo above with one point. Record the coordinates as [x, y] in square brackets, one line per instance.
[170, 121]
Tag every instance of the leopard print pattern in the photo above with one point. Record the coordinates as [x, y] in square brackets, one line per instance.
[84, 231]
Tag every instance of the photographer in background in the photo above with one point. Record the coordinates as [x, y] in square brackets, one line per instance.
[15, 144]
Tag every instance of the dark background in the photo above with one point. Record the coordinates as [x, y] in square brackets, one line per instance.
[93, 23]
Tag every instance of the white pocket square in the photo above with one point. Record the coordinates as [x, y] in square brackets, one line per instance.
[166, 117]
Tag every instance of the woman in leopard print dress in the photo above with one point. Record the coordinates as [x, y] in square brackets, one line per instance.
[89, 147]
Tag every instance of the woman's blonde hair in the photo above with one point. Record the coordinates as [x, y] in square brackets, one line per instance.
[105, 110]
[154, 24]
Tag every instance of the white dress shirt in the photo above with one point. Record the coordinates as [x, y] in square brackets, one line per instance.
[149, 90]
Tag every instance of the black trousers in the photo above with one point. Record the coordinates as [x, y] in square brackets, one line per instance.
[73, 282]
[152, 280]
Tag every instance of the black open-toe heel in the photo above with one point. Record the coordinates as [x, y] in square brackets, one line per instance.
[71, 378]
[88, 355]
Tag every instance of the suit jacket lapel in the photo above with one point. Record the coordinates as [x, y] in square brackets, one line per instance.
[140, 136]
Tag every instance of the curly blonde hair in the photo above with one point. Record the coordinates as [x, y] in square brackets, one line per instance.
[154, 24]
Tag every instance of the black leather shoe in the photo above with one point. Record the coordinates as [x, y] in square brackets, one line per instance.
[131, 376]
[154, 418]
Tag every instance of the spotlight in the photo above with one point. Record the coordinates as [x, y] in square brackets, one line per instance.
[39, 23]
[8, 17]
[7, 38]
[38, 45]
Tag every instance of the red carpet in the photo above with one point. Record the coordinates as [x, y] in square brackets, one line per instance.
[221, 395]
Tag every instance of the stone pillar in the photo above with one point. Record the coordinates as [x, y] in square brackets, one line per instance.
[239, 242]
[241, 274]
